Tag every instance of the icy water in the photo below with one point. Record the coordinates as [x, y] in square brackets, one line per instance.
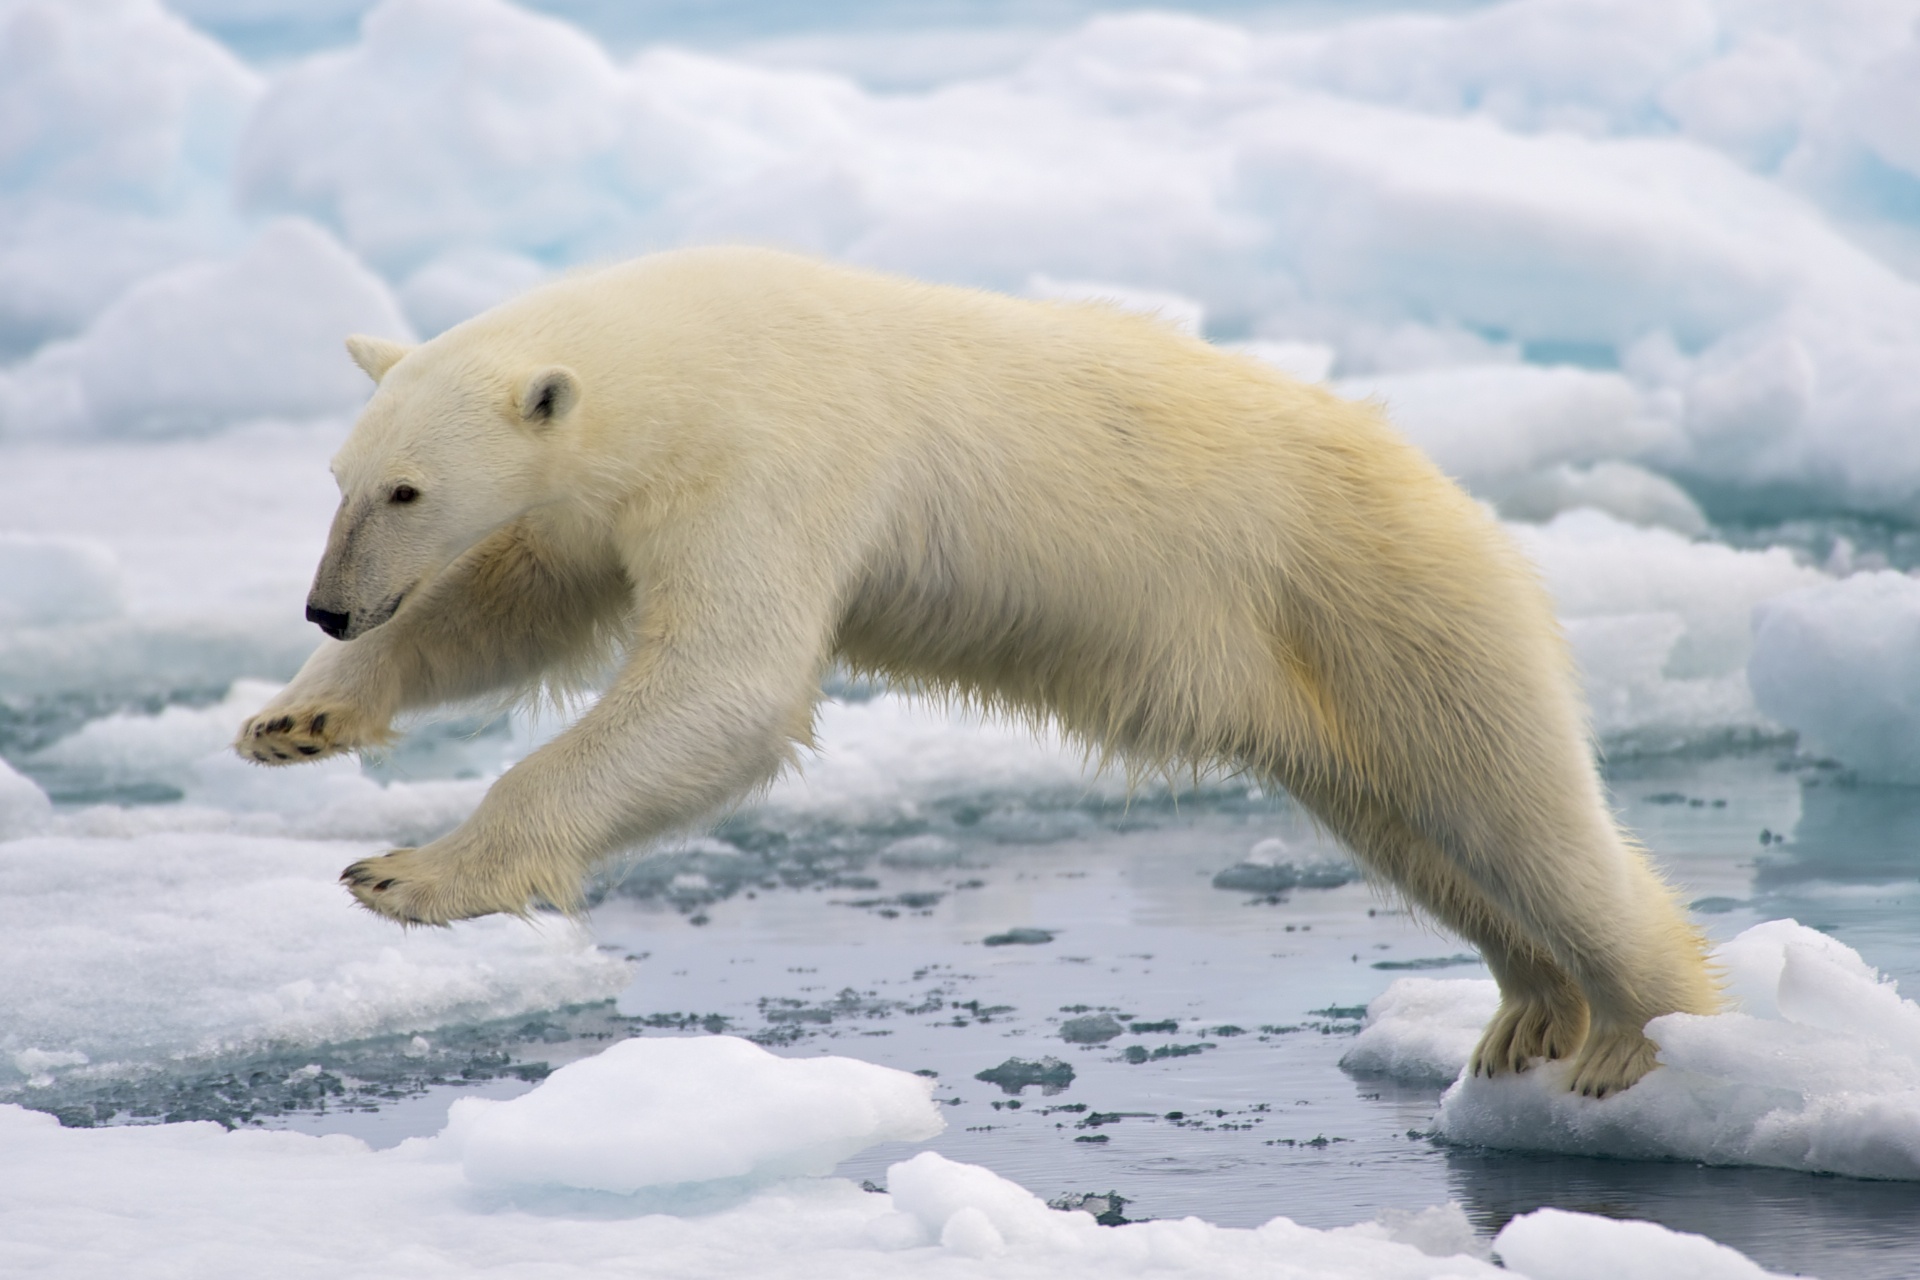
[1141, 1030]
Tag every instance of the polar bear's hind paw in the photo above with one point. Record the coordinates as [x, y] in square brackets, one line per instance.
[1524, 1030]
[1613, 1059]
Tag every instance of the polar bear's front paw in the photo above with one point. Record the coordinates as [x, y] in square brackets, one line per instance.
[1613, 1058]
[308, 731]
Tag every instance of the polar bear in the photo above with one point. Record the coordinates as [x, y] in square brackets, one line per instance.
[728, 468]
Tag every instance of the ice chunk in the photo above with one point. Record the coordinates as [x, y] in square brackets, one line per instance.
[653, 1112]
[1552, 1244]
[212, 343]
[1816, 1070]
[49, 580]
[1423, 1029]
[1840, 663]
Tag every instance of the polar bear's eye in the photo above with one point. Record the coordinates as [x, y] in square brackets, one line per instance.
[404, 493]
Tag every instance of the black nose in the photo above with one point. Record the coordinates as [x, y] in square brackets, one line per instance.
[334, 624]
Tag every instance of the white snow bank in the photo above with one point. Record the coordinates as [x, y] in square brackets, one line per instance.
[1817, 1068]
[1840, 663]
[194, 1199]
[1660, 626]
[46, 581]
[137, 950]
[658, 1112]
[212, 343]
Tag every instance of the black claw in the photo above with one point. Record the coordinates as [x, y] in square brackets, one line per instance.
[319, 722]
[281, 755]
[383, 886]
[309, 751]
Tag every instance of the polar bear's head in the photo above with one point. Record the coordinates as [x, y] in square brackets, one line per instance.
[446, 452]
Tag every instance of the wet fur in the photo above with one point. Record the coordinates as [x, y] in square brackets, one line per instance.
[1185, 558]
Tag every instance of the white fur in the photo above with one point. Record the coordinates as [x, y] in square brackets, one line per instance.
[730, 467]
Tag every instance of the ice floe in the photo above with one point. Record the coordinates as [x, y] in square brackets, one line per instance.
[1816, 1066]
[678, 1156]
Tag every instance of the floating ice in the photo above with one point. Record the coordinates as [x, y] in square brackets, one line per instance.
[658, 1112]
[195, 1199]
[1840, 663]
[1552, 1244]
[1423, 1029]
[1817, 1068]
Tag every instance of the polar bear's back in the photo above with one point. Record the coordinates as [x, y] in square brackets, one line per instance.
[1081, 513]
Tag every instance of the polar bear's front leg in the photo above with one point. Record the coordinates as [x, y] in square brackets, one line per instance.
[340, 701]
[715, 695]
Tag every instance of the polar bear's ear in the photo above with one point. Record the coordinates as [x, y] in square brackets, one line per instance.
[549, 395]
[375, 355]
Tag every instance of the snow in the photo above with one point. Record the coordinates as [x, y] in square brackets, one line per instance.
[1840, 662]
[1814, 1067]
[528, 1184]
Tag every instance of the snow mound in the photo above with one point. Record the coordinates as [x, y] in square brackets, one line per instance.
[150, 946]
[210, 344]
[1817, 1068]
[194, 1199]
[1840, 663]
[661, 1112]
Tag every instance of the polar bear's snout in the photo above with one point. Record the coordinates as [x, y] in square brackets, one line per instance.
[334, 624]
